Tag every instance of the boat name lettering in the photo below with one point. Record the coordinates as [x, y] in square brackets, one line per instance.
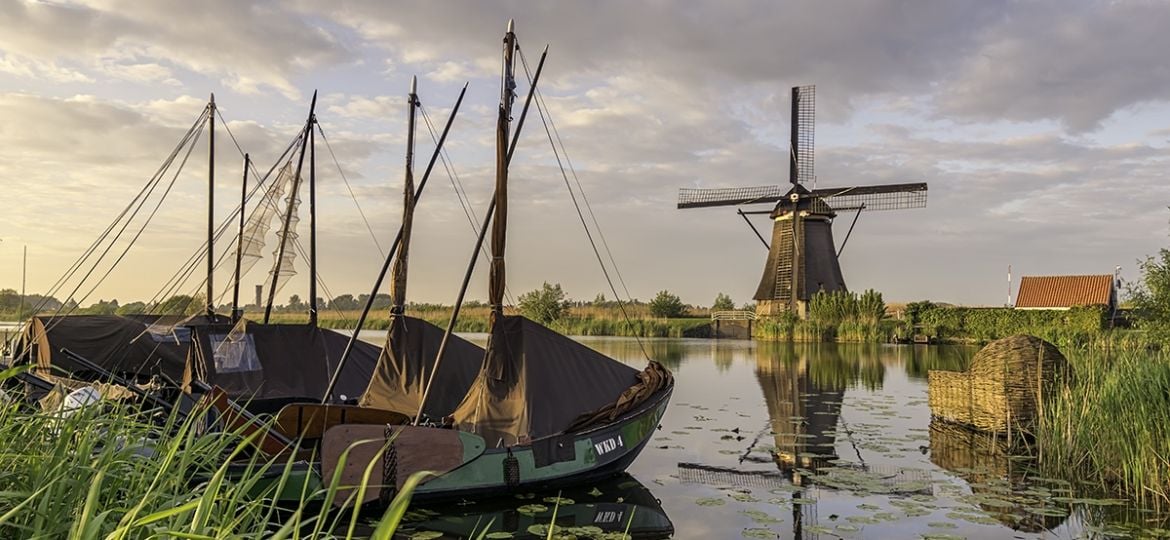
[608, 445]
[608, 516]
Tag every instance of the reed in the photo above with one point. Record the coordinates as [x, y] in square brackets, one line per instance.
[1110, 427]
[113, 471]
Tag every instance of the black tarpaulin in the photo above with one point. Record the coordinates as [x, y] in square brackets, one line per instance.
[279, 361]
[536, 383]
[123, 345]
[408, 359]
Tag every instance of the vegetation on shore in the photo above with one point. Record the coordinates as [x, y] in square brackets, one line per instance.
[1109, 427]
[109, 470]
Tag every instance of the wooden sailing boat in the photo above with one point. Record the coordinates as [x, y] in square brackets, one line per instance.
[543, 410]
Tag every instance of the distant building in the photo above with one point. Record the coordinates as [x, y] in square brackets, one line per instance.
[1064, 292]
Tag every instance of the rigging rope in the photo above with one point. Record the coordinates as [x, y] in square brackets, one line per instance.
[541, 109]
[56, 287]
[171, 286]
[350, 189]
[125, 225]
[461, 194]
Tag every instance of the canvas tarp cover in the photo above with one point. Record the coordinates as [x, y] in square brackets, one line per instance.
[536, 383]
[262, 362]
[118, 344]
[406, 362]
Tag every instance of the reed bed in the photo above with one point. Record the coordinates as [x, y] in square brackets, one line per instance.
[113, 471]
[580, 321]
[1112, 427]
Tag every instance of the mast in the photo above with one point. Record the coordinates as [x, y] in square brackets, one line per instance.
[500, 222]
[312, 220]
[210, 206]
[292, 196]
[398, 273]
[390, 255]
[487, 219]
[240, 242]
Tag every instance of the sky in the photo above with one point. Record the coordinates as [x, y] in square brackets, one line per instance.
[1042, 129]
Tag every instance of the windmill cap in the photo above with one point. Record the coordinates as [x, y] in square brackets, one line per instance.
[413, 84]
[511, 25]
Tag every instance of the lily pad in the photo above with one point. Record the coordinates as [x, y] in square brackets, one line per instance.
[759, 533]
[711, 501]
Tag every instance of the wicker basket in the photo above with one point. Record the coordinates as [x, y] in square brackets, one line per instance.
[1004, 389]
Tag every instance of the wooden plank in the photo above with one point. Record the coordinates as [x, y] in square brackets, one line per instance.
[415, 449]
[236, 419]
[310, 421]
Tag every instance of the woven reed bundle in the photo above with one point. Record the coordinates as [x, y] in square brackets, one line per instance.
[1004, 388]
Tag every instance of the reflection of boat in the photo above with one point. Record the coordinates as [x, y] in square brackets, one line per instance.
[611, 506]
[991, 466]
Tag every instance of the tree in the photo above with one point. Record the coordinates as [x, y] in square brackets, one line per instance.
[180, 304]
[344, 302]
[295, 303]
[133, 308]
[667, 305]
[599, 300]
[1151, 295]
[722, 303]
[545, 304]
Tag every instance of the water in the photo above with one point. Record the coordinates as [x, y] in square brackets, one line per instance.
[812, 441]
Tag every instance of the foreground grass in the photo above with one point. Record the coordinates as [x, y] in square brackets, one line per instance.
[1112, 426]
[112, 471]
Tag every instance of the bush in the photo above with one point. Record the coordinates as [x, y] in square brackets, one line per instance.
[1151, 296]
[722, 303]
[545, 304]
[667, 305]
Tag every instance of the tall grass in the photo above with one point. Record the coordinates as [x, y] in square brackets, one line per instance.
[1112, 425]
[580, 321]
[113, 471]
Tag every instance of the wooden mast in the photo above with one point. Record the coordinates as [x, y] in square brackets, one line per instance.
[312, 219]
[398, 272]
[210, 301]
[292, 197]
[240, 241]
[390, 256]
[497, 280]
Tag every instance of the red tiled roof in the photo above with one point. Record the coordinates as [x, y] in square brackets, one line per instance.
[1064, 291]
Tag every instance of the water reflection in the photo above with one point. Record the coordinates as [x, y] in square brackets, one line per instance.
[803, 406]
[600, 510]
[920, 359]
[767, 440]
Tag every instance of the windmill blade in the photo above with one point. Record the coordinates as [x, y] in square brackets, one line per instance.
[880, 197]
[804, 99]
[707, 197]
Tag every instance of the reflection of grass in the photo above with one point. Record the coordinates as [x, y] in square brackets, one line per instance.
[111, 471]
[1111, 427]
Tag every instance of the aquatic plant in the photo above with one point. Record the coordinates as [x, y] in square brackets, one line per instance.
[1110, 427]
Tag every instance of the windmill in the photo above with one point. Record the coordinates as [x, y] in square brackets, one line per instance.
[802, 258]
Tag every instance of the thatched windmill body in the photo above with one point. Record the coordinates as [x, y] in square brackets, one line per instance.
[802, 257]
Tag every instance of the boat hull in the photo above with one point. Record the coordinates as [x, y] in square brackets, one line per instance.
[596, 453]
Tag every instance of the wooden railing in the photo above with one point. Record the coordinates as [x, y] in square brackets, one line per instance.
[733, 315]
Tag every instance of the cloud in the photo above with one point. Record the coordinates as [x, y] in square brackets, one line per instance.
[258, 46]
